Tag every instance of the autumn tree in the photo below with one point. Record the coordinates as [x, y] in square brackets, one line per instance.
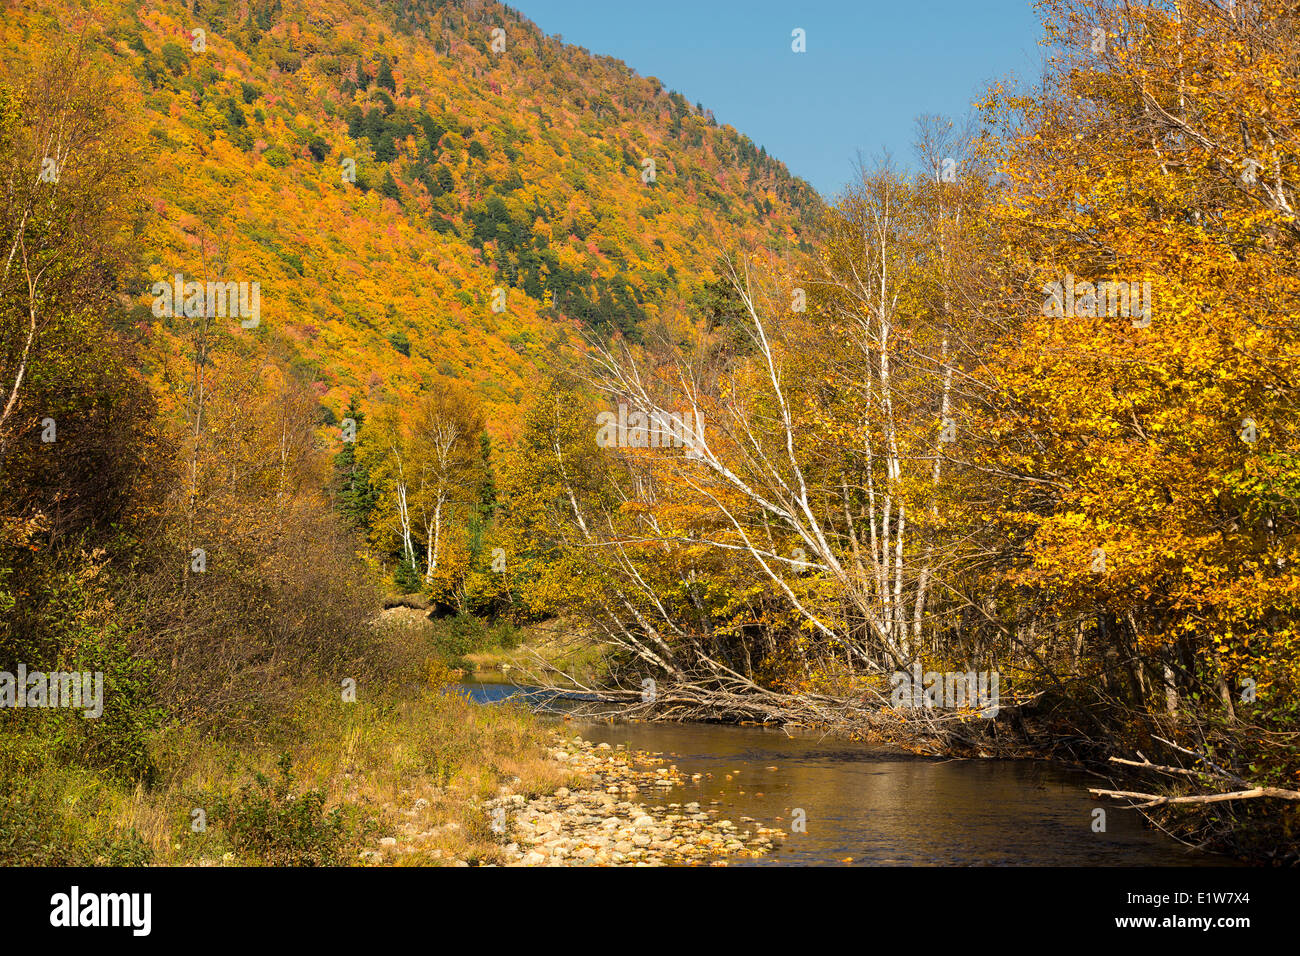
[1142, 412]
[431, 475]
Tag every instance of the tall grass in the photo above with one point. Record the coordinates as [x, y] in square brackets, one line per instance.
[336, 778]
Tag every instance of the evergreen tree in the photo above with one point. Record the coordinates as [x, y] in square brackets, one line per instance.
[488, 495]
[407, 577]
[384, 78]
[389, 187]
[355, 496]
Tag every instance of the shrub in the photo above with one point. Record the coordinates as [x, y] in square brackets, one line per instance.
[269, 821]
[277, 156]
[40, 827]
[406, 578]
[66, 622]
[464, 634]
[506, 635]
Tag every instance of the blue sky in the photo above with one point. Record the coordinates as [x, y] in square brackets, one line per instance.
[870, 69]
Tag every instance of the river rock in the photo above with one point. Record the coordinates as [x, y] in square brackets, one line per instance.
[594, 827]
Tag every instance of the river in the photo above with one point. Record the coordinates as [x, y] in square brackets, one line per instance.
[873, 805]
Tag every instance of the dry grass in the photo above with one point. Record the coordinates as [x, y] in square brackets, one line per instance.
[415, 767]
[556, 642]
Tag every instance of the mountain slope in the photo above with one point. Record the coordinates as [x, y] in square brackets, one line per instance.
[482, 162]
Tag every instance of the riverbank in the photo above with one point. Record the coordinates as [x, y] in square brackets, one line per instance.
[421, 777]
[429, 778]
[843, 801]
[394, 777]
[593, 826]
[499, 651]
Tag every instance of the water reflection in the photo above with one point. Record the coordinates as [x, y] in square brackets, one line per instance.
[491, 692]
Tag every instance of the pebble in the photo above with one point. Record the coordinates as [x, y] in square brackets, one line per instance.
[592, 827]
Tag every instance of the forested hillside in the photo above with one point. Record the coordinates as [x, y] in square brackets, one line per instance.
[381, 171]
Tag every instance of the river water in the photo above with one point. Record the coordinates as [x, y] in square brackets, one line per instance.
[871, 805]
